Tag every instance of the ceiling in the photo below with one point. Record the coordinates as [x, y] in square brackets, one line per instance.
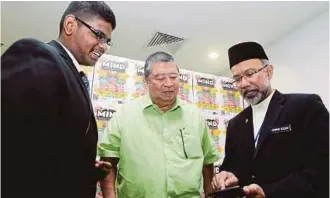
[205, 26]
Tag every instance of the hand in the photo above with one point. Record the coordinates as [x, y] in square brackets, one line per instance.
[254, 190]
[104, 166]
[224, 179]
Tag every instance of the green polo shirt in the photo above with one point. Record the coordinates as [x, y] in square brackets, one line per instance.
[161, 154]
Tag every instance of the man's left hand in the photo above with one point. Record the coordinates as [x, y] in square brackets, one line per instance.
[254, 190]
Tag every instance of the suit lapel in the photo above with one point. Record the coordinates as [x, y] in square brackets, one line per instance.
[71, 66]
[246, 128]
[75, 71]
[274, 109]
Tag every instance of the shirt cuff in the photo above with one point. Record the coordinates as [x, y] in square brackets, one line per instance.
[212, 159]
[107, 153]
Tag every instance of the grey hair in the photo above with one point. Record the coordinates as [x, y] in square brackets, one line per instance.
[264, 62]
[155, 58]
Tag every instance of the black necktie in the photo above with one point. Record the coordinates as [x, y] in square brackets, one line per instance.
[85, 80]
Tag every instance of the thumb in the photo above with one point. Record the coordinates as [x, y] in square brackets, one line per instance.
[246, 190]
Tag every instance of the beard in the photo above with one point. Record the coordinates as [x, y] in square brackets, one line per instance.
[255, 96]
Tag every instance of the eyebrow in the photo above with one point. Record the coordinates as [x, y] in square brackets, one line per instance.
[93, 29]
[244, 72]
[159, 74]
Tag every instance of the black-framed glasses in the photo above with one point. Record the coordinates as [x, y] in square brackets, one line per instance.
[247, 75]
[98, 33]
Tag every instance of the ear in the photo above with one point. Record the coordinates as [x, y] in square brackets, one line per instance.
[70, 25]
[145, 80]
[270, 71]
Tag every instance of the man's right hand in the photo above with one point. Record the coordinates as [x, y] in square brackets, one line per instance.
[223, 180]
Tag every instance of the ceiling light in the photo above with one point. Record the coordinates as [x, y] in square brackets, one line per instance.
[213, 55]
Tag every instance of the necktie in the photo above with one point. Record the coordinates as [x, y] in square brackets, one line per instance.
[85, 80]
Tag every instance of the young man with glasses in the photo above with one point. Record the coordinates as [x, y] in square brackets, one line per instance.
[49, 133]
[278, 147]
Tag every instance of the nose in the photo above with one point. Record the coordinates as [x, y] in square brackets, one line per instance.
[168, 82]
[104, 46]
[244, 83]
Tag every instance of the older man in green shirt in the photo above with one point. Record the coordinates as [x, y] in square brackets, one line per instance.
[162, 144]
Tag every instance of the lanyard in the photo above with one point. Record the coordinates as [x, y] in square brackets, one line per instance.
[256, 138]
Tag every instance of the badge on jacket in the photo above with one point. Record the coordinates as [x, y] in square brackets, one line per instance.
[282, 129]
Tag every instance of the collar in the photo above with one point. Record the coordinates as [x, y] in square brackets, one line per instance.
[147, 102]
[74, 60]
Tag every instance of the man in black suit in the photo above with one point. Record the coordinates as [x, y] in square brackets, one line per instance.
[49, 133]
[278, 147]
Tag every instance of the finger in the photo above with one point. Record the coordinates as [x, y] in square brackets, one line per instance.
[107, 164]
[225, 177]
[252, 189]
[231, 181]
[213, 183]
[103, 165]
[216, 181]
[97, 164]
[246, 190]
[221, 179]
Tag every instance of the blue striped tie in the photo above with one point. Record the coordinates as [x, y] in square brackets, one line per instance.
[85, 80]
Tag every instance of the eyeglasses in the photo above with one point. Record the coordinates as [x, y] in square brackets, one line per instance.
[248, 74]
[99, 34]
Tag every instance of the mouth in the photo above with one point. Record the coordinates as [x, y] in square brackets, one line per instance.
[168, 92]
[96, 55]
[250, 93]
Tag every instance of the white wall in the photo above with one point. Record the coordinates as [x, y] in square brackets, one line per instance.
[301, 59]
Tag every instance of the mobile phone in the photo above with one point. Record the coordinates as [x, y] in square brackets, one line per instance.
[230, 192]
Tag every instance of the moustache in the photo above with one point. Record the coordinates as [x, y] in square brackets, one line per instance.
[248, 91]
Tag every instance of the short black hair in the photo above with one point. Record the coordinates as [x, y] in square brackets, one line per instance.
[86, 9]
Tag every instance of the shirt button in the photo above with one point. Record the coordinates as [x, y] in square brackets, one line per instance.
[253, 177]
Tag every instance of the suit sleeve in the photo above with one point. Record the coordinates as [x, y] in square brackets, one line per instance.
[228, 163]
[313, 178]
[30, 82]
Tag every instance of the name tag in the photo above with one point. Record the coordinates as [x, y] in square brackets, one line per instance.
[285, 128]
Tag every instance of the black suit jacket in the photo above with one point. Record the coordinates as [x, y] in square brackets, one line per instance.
[49, 133]
[291, 158]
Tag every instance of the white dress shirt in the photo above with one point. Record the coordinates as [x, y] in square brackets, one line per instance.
[75, 62]
[258, 115]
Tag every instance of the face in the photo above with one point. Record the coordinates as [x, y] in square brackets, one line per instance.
[254, 86]
[163, 82]
[83, 43]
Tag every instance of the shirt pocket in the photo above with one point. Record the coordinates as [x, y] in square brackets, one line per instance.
[189, 145]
